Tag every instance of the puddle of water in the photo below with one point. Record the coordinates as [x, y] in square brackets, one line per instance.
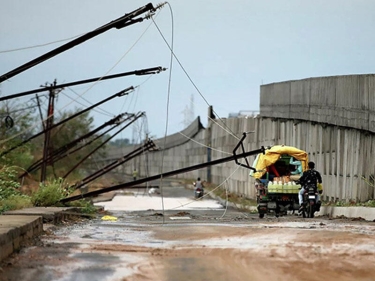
[100, 266]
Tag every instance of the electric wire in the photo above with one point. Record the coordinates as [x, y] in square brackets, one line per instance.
[39, 45]
[167, 110]
[210, 192]
[191, 81]
[169, 83]
[98, 110]
[88, 89]
[224, 129]
[139, 87]
[202, 144]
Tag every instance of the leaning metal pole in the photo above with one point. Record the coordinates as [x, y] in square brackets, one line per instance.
[234, 157]
[119, 94]
[150, 145]
[102, 144]
[118, 23]
[62, 151]
[146, 71]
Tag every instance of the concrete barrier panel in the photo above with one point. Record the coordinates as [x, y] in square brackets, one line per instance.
[16, 230]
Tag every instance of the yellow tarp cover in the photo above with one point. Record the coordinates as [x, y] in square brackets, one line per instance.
[273, 154]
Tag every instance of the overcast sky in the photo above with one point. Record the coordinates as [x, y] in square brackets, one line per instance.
[228, 48]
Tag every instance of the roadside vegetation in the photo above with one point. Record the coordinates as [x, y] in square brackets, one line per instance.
[369, 203]
[370, 181]
[21, 189]
[48, 194]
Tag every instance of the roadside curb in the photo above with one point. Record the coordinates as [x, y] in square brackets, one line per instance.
[361, 213]
[18, 227]
[16, 230]
[365, 213]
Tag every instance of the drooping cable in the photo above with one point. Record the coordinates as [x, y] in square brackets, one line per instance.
[202, 144]
[210, 192]
[167, 111]
[98, 110]
[88, 89]
[191, 80]
[39, 45]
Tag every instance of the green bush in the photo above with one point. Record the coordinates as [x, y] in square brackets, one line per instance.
[85, 206]
[10, 197]
[8, 181]
[50, 193]
[15, 202]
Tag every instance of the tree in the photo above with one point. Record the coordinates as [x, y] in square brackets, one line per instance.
[120, 142]
[67, 133]
[16, 125]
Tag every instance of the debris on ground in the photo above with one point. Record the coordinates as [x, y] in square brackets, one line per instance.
[109, 218]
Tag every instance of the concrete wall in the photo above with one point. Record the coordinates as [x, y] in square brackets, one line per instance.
[331, 118]
[339, 100]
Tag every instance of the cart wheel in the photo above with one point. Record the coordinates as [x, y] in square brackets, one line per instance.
[261, 216]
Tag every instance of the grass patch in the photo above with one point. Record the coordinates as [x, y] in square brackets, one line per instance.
[15, 202]
[86, 206]
[50, 193]
[351, 203]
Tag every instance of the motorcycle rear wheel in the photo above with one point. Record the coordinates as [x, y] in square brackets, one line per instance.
[312, 212]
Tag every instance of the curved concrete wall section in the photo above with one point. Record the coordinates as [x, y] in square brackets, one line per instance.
[346, 101]
[181, 137]
[169, 141]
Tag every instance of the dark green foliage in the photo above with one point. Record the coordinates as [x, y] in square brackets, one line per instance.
[10, 196]
[50, 193]
[120, 142]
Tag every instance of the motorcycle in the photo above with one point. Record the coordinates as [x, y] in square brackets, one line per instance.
[309, 202]
[198, 191]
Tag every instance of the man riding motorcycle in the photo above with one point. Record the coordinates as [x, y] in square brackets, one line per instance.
[311, 177]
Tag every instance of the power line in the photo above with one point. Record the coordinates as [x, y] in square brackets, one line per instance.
[39, 45]
[191, 81]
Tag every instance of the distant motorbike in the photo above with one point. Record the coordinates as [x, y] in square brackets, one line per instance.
[309, 202]
[198, 191]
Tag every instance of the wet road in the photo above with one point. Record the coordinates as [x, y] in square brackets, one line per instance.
[197, 241]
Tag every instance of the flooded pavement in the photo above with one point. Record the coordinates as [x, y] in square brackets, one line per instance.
[201, 242]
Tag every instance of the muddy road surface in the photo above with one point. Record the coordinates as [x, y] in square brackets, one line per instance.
[196, 241]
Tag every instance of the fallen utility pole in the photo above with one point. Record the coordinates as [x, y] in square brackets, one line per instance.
[119, 94]
[121, 22]
[60, 156]
[149, 145]
[234, 157]
[62, 151]
[146, 71]
[102, 144]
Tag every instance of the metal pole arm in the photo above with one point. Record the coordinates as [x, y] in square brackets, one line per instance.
[163, 175]
[118, 23]
[146, 71]
[119, 94]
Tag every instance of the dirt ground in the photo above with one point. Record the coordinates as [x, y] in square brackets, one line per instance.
[200, 243]
[142, 248]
